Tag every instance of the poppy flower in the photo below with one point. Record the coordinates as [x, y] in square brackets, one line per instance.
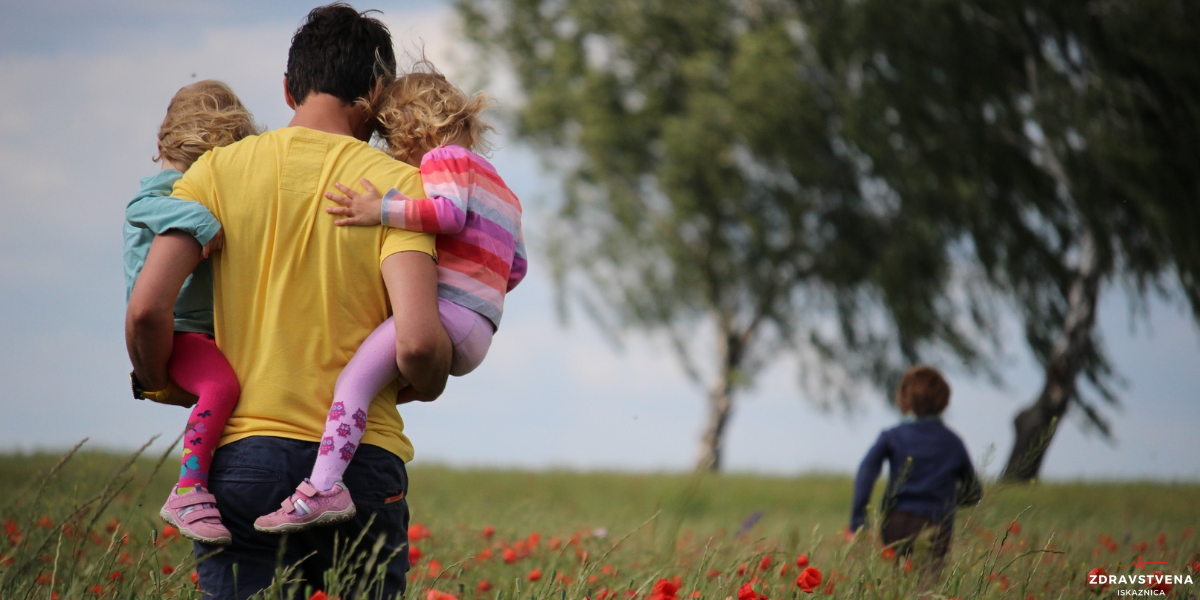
[741, 569]
[1014, 528]
[44, 579]
[664, 589]
[195, 578]
[764, 564]
[713, 574]
[889, 553]
[414, 555]
[534, 538]
[1159, 583]
[783, 570]
[608, 570]
[488, 532]
[97, 590]
[417, 531]
[809, 579]
[829, 589]
[319, 595]
[439, 595]
[169, 532]
[1096, 572]
[908, 566]
[535, 575]
[168, 569]
[112, 525]
[746, 592]
[694, 595]
[435, 568]
[510, 556]
[555, 543]
[484, 555]
[45, 523]
[802, 561]
[116, 576]
[484, 586]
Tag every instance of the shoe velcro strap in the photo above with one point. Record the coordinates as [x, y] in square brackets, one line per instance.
[201, 513]
[307, 489]
[194, 499]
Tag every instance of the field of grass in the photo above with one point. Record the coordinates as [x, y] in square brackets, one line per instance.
[88, 528]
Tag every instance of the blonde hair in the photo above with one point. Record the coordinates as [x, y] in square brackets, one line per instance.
[202, 116]
[421, 111]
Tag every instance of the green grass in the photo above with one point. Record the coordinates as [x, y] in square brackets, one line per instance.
[607, 533]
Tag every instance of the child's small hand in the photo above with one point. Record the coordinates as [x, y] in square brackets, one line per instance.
[361, 209]
[216, 243]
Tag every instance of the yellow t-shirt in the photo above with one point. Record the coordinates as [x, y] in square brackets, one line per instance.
[295, 295]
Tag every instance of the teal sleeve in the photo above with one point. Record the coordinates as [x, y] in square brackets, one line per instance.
[154, 209]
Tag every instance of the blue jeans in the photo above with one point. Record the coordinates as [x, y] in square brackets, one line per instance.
[252, 476]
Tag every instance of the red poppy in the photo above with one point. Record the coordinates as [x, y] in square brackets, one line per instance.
[608, 570]
[1161, 541]
[665, 589]
[417, 531]
[1159, 583]
[484, 555]
[829, 589]
[563, 579]
[741, 570]
[484, 586]
[97, 590]
[112, 525]
[1097, 572]
[783, 571]
[439, 595]
[888, 553]
[116, 576]
[694, 595]
[535, 575]
[45, 523]
[414, 555]
[713, 574]
[809, 579]
[802, 561]
[169, 532]
[555, 543]
[195, 578]
[1014, 528]
[764, 564]
[1141, 547]
[435, 568]
[168, 569]
[534, 538]
[319, 595]
[510, 556]
[907, 566]
[44, 579]
[488, 532]
[746, 592]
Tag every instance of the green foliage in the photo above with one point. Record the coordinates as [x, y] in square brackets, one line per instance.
[595, 532]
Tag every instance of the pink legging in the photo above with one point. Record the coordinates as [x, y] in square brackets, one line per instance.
[372, 368]
[197, 366]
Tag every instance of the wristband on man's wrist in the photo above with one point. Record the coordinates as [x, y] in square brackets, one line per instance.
[140, 392]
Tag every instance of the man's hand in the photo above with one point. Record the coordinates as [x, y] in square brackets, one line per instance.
[407, 394]
[216, 243]
[361, 209]
[150, 318]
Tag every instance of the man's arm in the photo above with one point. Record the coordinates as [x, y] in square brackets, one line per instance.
[150, 318]
[423, 349]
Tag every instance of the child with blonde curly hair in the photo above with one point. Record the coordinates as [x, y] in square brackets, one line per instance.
[427, 122]
[201, 116]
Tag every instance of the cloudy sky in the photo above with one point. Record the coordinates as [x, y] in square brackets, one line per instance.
[85, 86]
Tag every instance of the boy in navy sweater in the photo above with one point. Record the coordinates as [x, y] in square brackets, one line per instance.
[929, 472]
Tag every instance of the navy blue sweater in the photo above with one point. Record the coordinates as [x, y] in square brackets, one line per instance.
[938, 478]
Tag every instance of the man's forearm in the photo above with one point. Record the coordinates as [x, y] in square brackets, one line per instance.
[150, 318]
[423, 350]
[426, 371]
[148, 338]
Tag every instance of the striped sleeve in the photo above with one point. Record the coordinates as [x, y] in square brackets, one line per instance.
[447, 179]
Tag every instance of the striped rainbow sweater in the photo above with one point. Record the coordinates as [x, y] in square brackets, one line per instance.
[480, 247]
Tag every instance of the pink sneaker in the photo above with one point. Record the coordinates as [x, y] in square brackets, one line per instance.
[195, 515]
[309, 508]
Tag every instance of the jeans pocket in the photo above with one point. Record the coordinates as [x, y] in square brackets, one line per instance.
[244, 474]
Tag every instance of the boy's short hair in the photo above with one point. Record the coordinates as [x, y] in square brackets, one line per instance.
[923, 391]
[422, 110]
[339, 51]
[202, 116]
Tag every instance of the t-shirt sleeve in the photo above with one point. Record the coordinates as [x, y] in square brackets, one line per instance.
[400, 240]
[197, 185]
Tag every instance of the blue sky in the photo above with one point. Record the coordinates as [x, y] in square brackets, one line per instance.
[85, 87]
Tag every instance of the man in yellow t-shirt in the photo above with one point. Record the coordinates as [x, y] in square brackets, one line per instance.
[294, 296]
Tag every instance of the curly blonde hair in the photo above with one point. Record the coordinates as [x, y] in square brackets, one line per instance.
[422, 110]
[200, 117]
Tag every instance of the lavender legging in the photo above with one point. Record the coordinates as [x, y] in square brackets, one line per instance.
[372, 368]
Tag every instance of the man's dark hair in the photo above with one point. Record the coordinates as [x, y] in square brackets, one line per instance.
[339, 51]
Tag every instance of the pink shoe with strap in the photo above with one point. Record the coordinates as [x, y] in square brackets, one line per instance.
[196, 517]
[309, 507]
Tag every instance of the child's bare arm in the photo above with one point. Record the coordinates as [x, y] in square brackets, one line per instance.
[360, 209]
